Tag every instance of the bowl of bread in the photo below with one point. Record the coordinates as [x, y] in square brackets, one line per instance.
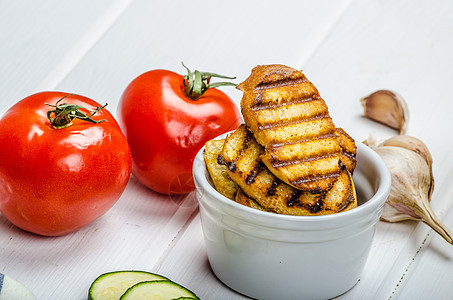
[288, 201]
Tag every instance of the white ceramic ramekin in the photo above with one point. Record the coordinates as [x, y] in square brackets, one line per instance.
[270, 256]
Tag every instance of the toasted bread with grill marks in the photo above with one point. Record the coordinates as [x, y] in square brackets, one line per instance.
[242, 155]
[219, 176]
[290, 119]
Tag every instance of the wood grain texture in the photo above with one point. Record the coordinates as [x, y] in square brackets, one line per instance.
[35, 37]
[348, 49]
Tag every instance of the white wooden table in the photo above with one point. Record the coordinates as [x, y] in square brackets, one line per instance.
[347, 48]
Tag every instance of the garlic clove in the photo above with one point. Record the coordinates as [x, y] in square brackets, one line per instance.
[416, 145]
[411, 143]
[372, 142]
[411, 187]
[388, 108]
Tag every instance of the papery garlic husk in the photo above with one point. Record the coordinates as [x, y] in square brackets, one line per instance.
[414, 144]
[411, 189]
[388, 108]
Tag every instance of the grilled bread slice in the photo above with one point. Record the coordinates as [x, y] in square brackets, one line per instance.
[241, 154]
[290, 119]
[219, 176]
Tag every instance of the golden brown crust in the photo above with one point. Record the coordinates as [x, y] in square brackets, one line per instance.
[241, 154]
[219, 176]
[288, 158]
[269, 74]
[290, 119]
[348, 150]
[243, 199]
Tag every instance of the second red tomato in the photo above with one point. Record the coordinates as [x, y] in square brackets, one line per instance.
[165, 128]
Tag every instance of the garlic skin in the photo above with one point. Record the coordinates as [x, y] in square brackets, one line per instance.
[410, 164]
[388, 108]
[410, 143]
[416, 145]
[392, 215]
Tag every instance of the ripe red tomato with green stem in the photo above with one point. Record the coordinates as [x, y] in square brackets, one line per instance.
[63, 163]
[167, 118]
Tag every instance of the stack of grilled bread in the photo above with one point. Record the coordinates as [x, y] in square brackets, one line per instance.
[288, 157]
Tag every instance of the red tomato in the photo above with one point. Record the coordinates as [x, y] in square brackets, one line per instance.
[165, 128]
[55, 181]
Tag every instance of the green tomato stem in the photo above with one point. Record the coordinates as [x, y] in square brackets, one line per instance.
[196, 83]
[64, 113]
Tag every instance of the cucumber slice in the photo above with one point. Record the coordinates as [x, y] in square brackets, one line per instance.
[10, 289]
[110, 286]
[165, 290]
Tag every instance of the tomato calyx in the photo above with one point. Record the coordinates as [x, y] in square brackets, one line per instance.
[64, 113]
[196, 83]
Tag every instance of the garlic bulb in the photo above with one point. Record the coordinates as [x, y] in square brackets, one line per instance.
[410, 164]
[388, 108]
[416, 145]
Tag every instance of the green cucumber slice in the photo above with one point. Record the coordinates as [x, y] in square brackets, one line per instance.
[110, 286]
[165, 290]
[12, 289]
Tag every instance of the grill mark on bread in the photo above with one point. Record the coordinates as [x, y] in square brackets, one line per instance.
[267, 126]
[232, 165]
[294, 200]
[316, 207]
[278, 163]
[279, 83]
[312, 178]
[271, 105]
[272, 188]
[252, 176]
[312, 208]
[300, 141]
[349, 154]
[221, 160]
[246, 142]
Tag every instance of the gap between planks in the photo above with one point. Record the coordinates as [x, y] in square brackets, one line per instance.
[416, 244]
[184, 214]
[408, 259]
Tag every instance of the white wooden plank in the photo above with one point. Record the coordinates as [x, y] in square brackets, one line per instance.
[225, 37]
[37, 35]
[378, 65]
[187, 264]
[143, 227]
[134, 234]
[403, 46]
[399, 46]
[83, 44]
[432, 276]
